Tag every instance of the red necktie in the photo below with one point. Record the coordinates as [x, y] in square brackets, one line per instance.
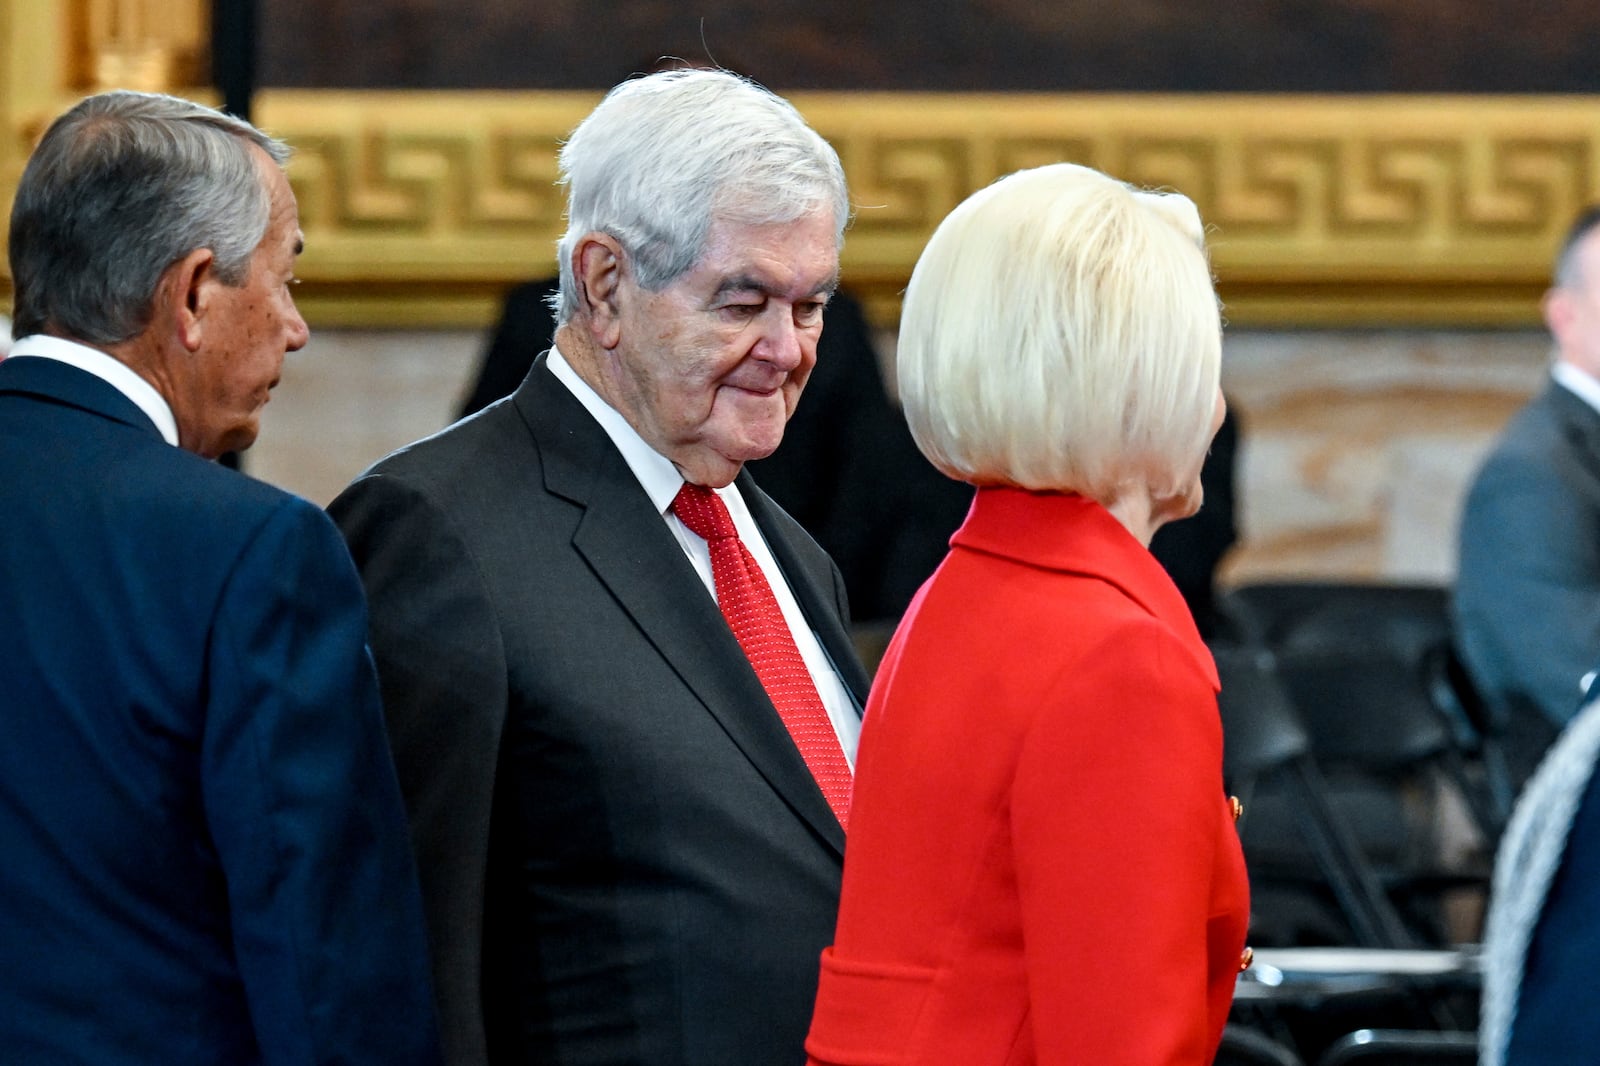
[757, 622]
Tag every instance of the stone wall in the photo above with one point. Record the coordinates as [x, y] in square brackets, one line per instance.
[1358, 447]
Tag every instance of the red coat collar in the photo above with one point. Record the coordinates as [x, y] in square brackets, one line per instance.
[1074, 534]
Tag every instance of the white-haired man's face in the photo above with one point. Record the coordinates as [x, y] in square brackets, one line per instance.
[709, 369]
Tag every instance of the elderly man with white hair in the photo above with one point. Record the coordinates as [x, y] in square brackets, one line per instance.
[620, 688]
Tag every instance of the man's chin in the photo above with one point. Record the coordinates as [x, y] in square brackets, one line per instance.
[751, 438]
[756, 449]
[716, 465]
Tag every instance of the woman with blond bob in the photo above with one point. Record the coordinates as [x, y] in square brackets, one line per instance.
[1042, 865]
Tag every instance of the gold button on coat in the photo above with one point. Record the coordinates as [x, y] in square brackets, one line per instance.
[1245, 958]
[1235, 808]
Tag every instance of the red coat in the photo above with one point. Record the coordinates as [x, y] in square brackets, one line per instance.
[1042, 866]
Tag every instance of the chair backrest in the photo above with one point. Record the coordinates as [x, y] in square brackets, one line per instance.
[1402, 620]
[1353, 658]
[1260, 728]
[1263, 739]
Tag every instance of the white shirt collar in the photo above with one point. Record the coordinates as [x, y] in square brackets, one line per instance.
[112, 371]
[657, 476]
[1577, 382]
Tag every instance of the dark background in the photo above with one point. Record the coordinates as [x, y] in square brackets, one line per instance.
[975, 45]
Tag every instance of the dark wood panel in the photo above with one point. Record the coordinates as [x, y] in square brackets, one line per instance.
[958, 45]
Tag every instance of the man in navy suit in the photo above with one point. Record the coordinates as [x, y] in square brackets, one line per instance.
[626, 856]
[205, 853]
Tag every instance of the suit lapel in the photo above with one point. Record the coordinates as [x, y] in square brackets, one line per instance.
[632, 552]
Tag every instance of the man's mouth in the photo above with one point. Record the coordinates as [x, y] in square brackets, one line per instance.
[759, 387]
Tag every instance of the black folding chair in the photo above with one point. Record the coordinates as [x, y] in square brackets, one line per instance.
[1267, 760]
[1359, 662]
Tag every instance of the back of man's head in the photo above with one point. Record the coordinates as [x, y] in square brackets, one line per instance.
[662, 156]
[120, 187]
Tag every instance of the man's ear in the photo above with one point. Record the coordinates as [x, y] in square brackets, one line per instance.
[185, 290]
[598, 267]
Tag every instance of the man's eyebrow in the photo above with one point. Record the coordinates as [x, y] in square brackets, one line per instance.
[742, 283]
[750, 283]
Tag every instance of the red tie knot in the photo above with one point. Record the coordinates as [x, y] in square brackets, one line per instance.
[703, 512]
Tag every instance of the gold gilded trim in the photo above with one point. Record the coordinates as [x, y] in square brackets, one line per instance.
[421, 207]
[1322, 210]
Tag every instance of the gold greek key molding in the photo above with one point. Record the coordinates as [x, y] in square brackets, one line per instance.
[421, 207]
[1322, 210]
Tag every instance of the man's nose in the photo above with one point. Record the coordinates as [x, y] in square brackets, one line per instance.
[781, 342]
[298, 331]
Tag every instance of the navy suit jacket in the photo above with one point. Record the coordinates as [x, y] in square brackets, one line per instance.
[1556, 1023]
[624, 857]
[205, 854]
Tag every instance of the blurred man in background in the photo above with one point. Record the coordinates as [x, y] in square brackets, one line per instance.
[1527, 597]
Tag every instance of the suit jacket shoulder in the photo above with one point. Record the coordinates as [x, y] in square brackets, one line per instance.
[182, 633]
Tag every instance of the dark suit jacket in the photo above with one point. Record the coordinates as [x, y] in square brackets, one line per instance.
[1527, 594]
[1555, 1022]
[205, 851]
[624, 858]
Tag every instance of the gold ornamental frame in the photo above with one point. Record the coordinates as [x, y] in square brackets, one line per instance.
[420, 208]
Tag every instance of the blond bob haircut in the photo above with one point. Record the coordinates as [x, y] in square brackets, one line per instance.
[1061, 333]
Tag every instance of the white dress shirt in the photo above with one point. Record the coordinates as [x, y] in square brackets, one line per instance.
[661, 482]
[112, 371]
[1577, 382]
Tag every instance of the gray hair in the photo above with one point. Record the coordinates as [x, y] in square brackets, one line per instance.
[121, 187]
[664, 155]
